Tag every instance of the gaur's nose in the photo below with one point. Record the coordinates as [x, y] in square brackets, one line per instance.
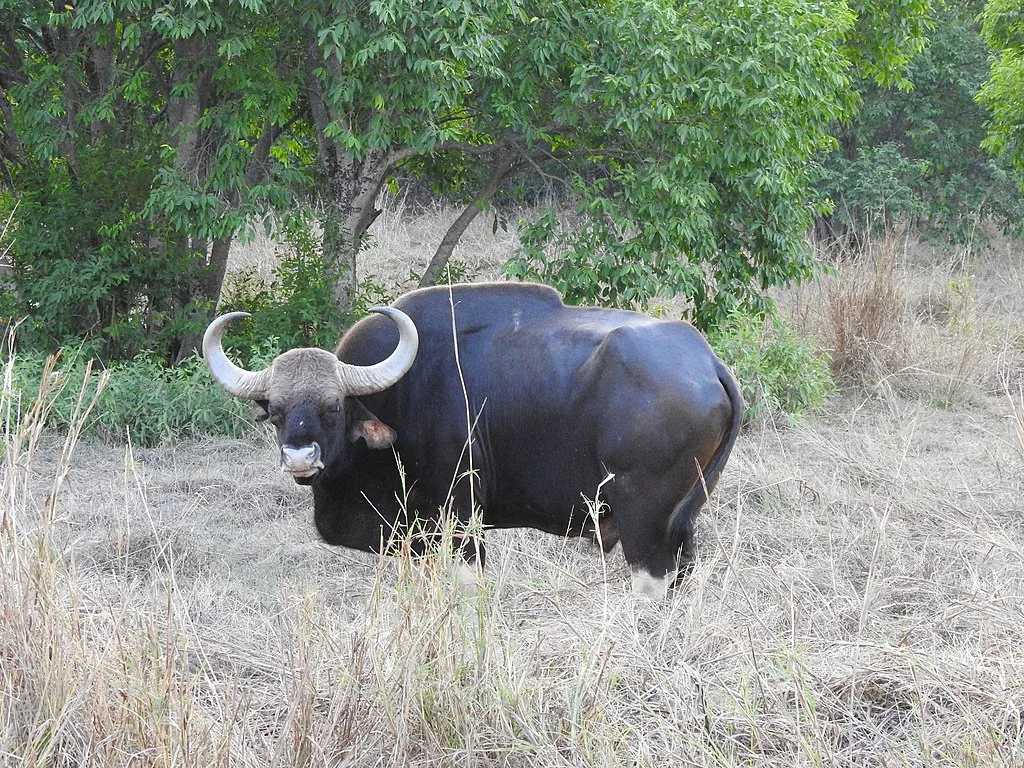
[302, 460]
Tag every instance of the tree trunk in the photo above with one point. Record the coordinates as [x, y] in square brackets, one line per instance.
[351, 208]
[339, 253]
[11, 151]
[209, 283]
[207, 291]
[98, 67]
[351, 191]
[183, 113]
[503, 168]
[219, 250]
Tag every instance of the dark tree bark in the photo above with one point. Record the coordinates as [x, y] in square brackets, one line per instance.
[351, 209]
[209, 281]
[11, 151]
[352, 186]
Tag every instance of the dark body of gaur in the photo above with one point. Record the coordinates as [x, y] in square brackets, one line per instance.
[568, 406]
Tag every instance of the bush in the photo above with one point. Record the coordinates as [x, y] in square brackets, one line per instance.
[296, 309]
[864, 319]
[881, 187]
[778, 371]
[86, 265]
[144, 400]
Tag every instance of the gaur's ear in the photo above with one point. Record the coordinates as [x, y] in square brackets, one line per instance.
[363, 424]
[260, 411]
[375, 433]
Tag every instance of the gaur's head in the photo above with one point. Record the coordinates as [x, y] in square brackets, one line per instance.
[310, 396]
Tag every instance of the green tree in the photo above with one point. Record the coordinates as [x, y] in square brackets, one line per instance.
[688, 133]
[695, 131]
[137, 139]
[1003, 29]
[915, 154]
[388, 82]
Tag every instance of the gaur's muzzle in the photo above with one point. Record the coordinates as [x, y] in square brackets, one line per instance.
[303, 461]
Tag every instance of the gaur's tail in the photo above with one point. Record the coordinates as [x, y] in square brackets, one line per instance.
[680, 524]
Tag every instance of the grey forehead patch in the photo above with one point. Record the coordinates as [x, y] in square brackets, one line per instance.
[306, 374]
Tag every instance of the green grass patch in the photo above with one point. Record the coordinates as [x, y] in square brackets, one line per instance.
[145, 401]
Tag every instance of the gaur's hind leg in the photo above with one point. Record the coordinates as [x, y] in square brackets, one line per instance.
[606, 535]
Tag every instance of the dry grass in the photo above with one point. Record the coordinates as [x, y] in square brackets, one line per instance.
[858, 601]
[1016, 400]
[906, 320]
[864, 306]
[401, 242]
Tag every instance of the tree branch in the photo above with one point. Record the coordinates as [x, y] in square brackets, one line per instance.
[504, 167]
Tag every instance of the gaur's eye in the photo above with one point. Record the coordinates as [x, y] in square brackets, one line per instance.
[261, 410]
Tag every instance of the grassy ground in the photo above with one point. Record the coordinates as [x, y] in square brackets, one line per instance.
[858, 597]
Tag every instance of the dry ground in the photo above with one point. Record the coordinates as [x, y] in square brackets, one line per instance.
[858, 598]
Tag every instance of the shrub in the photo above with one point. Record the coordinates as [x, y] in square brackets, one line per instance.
[778, 371]
[296, 309]
[144, 400]
[87, 265]
[878, 188]
[864, 319]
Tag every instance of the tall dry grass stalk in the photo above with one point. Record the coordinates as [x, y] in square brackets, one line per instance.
[864, 332]
[81, 683]
[1016, 401]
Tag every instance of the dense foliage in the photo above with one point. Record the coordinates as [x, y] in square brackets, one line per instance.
[708, 192]
[137, 138]
[913, 155]
[132, 148]
[1003, 29]
[779, 372]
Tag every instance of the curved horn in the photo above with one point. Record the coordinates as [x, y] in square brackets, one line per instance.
[368, 379]
[237, 381]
